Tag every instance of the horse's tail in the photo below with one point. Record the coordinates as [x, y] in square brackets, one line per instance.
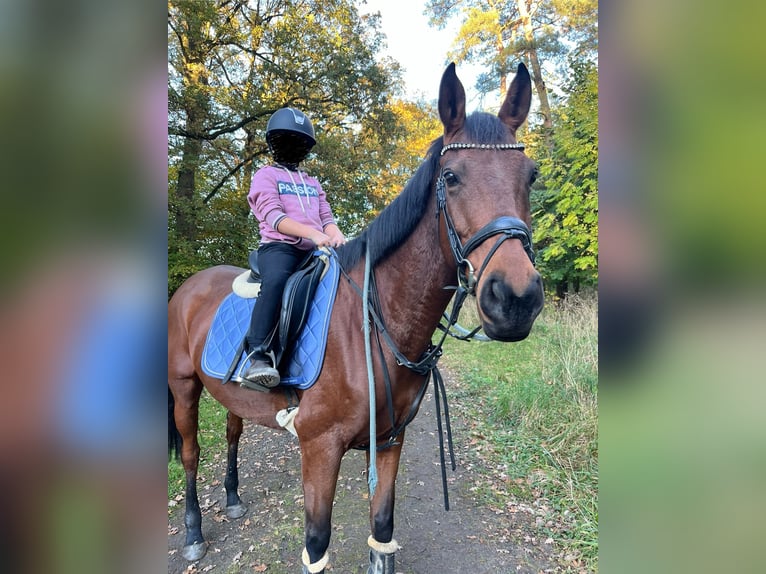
[174, 437]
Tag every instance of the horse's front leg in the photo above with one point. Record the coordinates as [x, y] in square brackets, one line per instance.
[382, 543]
[320, 464]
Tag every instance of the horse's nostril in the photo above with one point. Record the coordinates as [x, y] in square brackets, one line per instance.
[498, 289]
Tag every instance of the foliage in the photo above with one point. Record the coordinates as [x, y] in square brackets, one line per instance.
[566, 205]
[232, 64]
[535, 404]
[558, 39]
[419, 126]
[499, 34]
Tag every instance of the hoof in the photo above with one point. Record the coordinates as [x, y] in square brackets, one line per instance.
[381, 563]
[382, 556]
[236, 511]
[194, 551]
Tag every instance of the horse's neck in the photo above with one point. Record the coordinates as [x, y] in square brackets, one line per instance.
[411, 283]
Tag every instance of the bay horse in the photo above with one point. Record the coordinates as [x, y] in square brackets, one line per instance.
[470, 197]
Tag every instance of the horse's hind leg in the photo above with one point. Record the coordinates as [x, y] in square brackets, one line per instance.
[234, 506]
[382, 544]
[187, 393]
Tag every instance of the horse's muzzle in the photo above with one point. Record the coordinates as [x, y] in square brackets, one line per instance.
[507, 316]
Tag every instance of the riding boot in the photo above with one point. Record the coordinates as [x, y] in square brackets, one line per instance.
[382, 556]
[260, 375]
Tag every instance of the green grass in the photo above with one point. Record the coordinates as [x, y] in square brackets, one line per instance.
[535, 402]
[212, 441]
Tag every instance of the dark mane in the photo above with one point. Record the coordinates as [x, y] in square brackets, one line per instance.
[398, 220]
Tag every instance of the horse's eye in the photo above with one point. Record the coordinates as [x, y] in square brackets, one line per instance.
[450, 178]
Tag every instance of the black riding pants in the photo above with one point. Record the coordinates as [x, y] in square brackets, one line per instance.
[276, 262]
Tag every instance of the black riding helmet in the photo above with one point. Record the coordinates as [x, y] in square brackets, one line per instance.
[290, 136]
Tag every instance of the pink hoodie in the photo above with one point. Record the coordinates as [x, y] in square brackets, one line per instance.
[276, 193]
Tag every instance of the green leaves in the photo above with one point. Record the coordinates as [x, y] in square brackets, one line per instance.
[231, 65]
[566, 215]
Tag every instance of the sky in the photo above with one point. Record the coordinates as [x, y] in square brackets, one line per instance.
[420, 49]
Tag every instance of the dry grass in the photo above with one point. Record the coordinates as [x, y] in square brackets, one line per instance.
[536, 403]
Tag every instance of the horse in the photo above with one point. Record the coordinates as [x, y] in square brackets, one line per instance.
[465, 208]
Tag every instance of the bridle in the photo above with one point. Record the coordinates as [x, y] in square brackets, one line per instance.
[505, 226]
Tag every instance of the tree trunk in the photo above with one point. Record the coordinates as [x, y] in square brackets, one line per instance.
[196, 104]
[185, 210]
[537, 76]
[503, 77]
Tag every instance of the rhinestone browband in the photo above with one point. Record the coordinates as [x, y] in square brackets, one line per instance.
[457, 145]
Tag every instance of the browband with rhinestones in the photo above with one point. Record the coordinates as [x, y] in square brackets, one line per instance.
[457, 145]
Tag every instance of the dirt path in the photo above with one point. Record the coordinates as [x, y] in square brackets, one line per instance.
[470, 538]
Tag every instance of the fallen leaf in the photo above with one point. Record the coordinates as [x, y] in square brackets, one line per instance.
[260, 568]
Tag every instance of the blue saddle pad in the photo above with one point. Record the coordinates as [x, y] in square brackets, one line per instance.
[233, 318]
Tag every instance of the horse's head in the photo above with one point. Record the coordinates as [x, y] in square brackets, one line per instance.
[483, 194]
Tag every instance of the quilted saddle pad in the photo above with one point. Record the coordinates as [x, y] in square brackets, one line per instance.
[233, 318]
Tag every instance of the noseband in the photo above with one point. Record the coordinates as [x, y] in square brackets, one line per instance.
[507, 227]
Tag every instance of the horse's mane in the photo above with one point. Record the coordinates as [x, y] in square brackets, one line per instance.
[398, 220]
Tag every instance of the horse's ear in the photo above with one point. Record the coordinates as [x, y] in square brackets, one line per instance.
[451, 102]
[515, 108]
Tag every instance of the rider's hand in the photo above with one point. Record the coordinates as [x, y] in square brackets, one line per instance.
[336, 237]
[320, 239]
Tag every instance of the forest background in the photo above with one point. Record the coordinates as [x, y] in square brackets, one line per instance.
[233, 63]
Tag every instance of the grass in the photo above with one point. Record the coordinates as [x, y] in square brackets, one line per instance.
[535, 403]
[212, 440]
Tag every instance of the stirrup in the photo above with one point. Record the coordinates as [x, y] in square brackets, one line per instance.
[265, 378]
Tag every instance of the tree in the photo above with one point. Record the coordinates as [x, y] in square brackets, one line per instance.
[566, 208]
[498, 34]
[232, 64]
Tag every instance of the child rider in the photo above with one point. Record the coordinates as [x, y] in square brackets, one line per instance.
[294, 217]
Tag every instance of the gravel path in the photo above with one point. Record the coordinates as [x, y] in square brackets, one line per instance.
[471, 538]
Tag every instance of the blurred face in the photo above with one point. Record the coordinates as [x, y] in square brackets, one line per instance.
[288, 147]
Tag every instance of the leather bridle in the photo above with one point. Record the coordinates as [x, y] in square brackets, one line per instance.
[505, 226]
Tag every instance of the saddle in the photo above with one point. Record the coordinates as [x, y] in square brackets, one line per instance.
[296, 298]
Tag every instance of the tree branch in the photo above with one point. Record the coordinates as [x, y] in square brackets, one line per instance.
[211, 135]
[231, 172]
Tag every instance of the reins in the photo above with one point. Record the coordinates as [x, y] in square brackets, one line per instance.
[425, 365]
